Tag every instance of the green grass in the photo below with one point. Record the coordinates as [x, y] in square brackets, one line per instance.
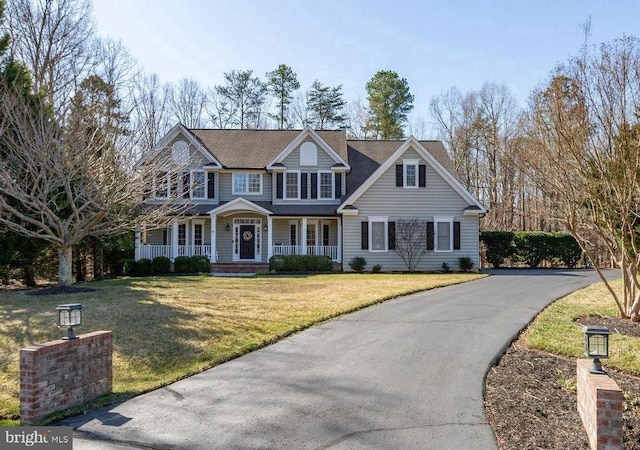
[554, 329]
[166, 328]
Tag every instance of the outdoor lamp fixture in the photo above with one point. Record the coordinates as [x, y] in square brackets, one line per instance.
[596, 345]
[228, 227]
[265, 228]
[69, 316]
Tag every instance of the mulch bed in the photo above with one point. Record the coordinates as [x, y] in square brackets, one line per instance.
[614, 324]
[531, 402]
[57, 290]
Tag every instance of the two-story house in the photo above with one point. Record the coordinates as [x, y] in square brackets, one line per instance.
[258, 193]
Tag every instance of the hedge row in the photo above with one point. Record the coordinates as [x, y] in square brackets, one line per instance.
[162, 264]
[531, 247]
[300, 263]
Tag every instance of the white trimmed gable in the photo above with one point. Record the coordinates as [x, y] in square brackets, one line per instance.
[320, 144]
[396, 158]
[179, 131]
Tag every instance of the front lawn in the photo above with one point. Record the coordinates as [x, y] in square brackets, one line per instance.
[166, 328]
[555, 330]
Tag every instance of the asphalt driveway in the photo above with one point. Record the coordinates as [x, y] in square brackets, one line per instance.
[405, 374]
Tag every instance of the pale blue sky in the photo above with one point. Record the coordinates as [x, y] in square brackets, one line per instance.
[433, 44]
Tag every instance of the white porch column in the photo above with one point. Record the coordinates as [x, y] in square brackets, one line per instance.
[174, 239]
[339, 225]
[214, 223]
[137, 246]
[303, 238]
[269, 237]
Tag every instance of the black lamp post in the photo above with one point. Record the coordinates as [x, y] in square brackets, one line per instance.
[69, 316]
[596, 345]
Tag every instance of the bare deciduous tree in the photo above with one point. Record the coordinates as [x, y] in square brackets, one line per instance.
[55, 40]
[151, 110]
[411, 241]
[61, 185]
[188, 101]
[586, 136]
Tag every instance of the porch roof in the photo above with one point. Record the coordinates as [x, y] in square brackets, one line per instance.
[278, 210]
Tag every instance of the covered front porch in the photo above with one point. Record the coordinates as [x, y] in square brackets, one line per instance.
[242, 232]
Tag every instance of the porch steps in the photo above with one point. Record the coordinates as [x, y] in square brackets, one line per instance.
[244, 268]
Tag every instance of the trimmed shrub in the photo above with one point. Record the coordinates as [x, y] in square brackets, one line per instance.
[533, 247]
[300, 263]
[182, 264]
[465, 263]
[376, 269]
[200, 264]
[145, 267]
[358, 263]
[566, 249]
[445, 267]
[498, 246]
[129, 267]
[161, 264]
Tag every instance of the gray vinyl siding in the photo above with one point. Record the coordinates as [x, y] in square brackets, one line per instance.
[292, 162]
[280, 234]
[154, 237]
[438, 199]
[225, 181]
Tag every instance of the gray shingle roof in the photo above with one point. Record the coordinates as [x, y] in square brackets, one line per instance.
[255, 149]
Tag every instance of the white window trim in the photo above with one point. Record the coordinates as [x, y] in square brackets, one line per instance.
[410, 162]
[333, 185]
[183, 156]
[155, 184]
[191, 184]
[385, 220]
[311, 162]
[247, 192]
[436, 221]
[284, 185]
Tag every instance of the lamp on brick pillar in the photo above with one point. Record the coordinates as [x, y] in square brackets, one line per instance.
[596, 345]
[69, 316]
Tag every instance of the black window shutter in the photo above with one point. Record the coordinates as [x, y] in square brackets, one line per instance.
[365, 235]
[422, 175]
[211, 185]
[338, 186]
[314, 185]
[392, 235]
[279, 185]
[456, 235]
[303, 185]
[430, 236]
[186, 178]
[399, 182]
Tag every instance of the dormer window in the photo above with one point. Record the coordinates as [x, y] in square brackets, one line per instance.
[180, 152]
[308, 154]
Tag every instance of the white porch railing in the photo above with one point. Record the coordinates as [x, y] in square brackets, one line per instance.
[194, 250]
[322, 250]
[151, 251]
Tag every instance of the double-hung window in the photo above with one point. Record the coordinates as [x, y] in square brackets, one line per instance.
[161, 185]
[378, 231]
[198, 184]
[292, 185]
[326, 184]
[410, 168]
[247, 183]
[443, 234]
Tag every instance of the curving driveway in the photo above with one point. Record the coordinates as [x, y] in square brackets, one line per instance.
[405, 374]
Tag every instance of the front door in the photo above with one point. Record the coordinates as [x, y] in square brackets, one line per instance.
[247, 241]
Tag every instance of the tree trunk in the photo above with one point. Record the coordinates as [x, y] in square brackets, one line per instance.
[65, 261]
[29, 274]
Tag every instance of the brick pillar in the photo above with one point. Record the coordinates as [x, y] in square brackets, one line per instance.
[64, 373]
[600, 407]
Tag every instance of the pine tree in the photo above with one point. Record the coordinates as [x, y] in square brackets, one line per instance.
[281, 83]
[389, 104]
[327, 105]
